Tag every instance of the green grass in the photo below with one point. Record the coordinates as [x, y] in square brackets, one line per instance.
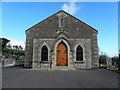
[115, 69]
[20, 60]
[12, 52]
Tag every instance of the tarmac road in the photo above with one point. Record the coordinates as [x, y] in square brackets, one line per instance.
[17, 77]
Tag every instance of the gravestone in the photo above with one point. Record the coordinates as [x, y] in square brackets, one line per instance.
[109, 63]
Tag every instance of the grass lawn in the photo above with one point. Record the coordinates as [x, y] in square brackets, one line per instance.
[115, 69]
[19, 60]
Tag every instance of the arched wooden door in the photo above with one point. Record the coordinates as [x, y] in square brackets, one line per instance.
[61, 55]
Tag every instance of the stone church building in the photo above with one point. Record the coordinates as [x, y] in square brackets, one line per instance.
[61, 41]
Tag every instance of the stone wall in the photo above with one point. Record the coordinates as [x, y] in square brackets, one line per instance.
[95, 56]
[49, 29]
[52, 44]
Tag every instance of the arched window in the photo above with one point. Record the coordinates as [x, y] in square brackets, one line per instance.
[79, 53]
[44, 53]
[61, 22]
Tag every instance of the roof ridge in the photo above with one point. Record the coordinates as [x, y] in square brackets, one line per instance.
[66, 13]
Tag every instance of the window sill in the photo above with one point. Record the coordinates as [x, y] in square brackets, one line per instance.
[43, 62]
[79, 61]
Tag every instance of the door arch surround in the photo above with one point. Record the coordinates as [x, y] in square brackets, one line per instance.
[68, 51]
[61, 55]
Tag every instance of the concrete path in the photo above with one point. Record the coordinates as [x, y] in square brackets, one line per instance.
[16, 77]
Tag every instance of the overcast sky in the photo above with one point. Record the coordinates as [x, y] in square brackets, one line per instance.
[18, 17]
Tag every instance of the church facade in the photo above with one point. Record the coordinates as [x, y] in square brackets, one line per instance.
[61, 41]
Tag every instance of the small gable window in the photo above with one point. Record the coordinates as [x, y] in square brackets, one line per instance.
[61, 22]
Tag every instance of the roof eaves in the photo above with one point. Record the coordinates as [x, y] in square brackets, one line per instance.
[42, 20]
[66, 13]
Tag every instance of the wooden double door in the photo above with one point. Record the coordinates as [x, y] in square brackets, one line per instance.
[62, 55]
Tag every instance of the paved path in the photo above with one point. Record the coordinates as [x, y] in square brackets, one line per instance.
[25, 78]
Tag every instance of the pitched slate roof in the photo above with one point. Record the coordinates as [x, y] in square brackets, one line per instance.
[67, 14]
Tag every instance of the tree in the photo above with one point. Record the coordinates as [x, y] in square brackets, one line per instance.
[103, 59]
[20, 47]
[15, 47]
[4, 42]
[8, 50]
[115, 60]
[9, 46]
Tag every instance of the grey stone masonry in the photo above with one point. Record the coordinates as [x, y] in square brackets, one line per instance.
[72, 63]
[95, 58]
[62, 27]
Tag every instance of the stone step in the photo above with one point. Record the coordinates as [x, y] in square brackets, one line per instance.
[63, 68]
